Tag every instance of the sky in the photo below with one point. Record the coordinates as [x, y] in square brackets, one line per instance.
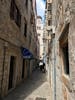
[41, 8]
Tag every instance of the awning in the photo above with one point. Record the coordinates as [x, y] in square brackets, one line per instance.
[26, 53]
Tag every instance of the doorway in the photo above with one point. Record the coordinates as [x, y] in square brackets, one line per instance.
[28, 68]
[64, 45]
[11, 72]
[23, 68]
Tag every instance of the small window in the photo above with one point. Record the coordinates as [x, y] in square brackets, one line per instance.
[50, 7]
[25, 30]
[18, 18]
[32, 19]
[31, 3]
[15, 14]
[29, 40]
[39, 21]
[26, 3]
[23, 68]
[49, 22]
[38, 28]
[38, 34]
[12, 9]
[44, 48]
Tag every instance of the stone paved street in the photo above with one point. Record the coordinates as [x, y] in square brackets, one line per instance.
[35, 88]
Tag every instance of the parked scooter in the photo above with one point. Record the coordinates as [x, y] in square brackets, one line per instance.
[42, 67]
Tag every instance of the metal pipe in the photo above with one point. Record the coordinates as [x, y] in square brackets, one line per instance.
[54, 69]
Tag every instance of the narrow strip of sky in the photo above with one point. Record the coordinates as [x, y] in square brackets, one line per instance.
[41, 8]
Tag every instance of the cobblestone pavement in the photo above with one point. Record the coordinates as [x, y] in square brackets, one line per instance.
[35, 88]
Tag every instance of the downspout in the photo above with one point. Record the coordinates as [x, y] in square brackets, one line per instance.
[54, 69]
[54, 66]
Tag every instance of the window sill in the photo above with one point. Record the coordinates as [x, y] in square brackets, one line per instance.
[66, 81]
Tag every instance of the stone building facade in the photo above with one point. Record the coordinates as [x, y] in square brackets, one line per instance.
[61, 55]
[47, 34]
[17, 30]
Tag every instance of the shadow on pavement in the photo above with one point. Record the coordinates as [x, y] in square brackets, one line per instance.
[1, 98]
[26, 88]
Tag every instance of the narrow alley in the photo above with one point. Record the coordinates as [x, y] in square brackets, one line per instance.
[37, 49]
[35, 88]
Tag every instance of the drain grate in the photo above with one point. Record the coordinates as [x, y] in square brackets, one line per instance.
[39, 98]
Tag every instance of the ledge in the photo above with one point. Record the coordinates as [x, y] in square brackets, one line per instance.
[66, 81]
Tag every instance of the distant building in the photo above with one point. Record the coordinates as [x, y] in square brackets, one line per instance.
[47, 30]
[40, 35]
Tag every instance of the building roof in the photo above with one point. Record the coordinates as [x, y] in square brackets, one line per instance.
[39, 17]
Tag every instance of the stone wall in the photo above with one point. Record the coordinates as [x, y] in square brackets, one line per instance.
[63, 14]
[72, 51]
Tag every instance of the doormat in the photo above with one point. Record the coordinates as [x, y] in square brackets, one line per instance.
[39, 98]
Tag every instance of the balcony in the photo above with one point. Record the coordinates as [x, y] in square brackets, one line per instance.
[49, 28]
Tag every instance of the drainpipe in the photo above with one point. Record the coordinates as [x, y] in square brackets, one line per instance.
[54, 70]
[53, 36]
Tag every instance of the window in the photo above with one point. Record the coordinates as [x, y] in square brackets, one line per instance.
[12, 9]
[44, 48]
[31, 4]
[50, 7]
[48, 33]
[38, 28]
[66, 59]
[11, 71]
[32, 19]
[18, 17]
[15, 14]
[26, 3]
[30, 40]
[38, 34]
[64, 48]
[39, 21]
[49, 22]
[25, 29]
[23, 68]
